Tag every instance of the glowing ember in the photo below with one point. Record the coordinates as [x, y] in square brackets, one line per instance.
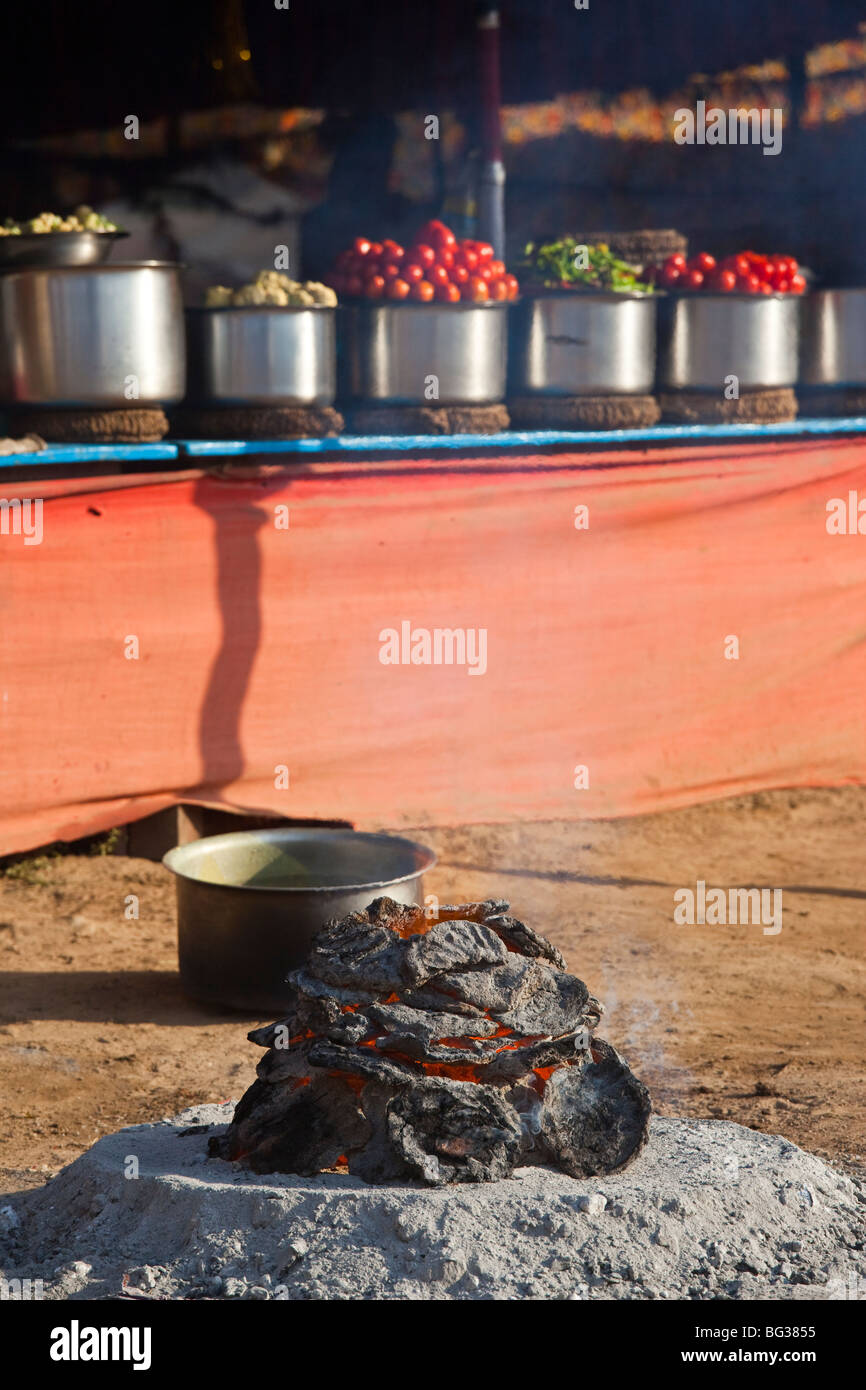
[450, 1047]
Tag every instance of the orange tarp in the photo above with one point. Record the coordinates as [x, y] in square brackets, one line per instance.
[258, 681]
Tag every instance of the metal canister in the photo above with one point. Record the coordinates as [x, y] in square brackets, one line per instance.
[92, 336]
[424, 354]
[575, 343]
[833, 349]
[262, 355]
[705, 338]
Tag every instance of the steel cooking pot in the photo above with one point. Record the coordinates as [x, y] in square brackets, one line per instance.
[424, 354]
[575, 343]
[262, 355]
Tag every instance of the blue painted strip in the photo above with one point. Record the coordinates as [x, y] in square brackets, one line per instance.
[90, 453]
[530, 439]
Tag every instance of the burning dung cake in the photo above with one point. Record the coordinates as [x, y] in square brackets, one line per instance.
[447, 1046]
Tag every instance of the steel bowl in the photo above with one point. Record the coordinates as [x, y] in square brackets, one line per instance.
[833, 351]
[575, 343]
[424, 354]
[249, 903]
[56, 248]
[92, 336]
[262, 355]
[704, 338]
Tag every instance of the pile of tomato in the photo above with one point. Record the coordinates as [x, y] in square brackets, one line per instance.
[435, 267]
[746, 273]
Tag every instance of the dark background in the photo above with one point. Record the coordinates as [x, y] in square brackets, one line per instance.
[70, 67]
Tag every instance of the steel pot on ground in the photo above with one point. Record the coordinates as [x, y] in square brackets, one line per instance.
[249, 903]
[706, 338]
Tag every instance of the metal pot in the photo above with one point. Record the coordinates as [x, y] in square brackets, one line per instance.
[704, 338]
[92, 336]
[424, 354]
[834, 338]
[249, 903]
[262, 355]
[571, 343]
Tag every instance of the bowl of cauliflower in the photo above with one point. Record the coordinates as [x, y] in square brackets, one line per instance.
[83, 237]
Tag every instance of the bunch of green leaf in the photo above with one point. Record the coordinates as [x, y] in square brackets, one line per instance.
[567, 264]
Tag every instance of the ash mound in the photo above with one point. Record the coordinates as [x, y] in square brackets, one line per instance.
[449, 1048]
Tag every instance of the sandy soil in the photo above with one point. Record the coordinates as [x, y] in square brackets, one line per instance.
[720, 1021]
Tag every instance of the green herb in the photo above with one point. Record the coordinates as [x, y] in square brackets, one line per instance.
[569, 264]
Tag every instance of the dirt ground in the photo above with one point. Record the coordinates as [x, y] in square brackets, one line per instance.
[723, 1021]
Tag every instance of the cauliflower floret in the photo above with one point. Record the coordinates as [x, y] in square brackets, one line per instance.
[217, 297]
[275, 280]
[300, 299]
[322, 294]
[250, 294]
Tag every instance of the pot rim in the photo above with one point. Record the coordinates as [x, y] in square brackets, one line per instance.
[259, 308]
[404, 304]
[697, 296]
[425, 853]
[97, 268]
[577, 295]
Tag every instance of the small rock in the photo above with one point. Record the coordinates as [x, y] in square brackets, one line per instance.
[592, 1203]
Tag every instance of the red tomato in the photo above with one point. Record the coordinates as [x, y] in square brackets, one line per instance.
[778, 274]
[798, 284]
[498, 288]
[354, 285]
[361, 246]
[484, 272]
[446, 258]
[727, 281]
[512, 286]
[437, 235]
[475, 289]
[392, 251]
[468, 259]
[376, 248]
[676, 262]
[370, 267]
[498, 269]
[783, 286]
[412, 272]
[391, 271]
[423, 254]
[483, 250]
[397, 289]
[459, 275]
[448, 294]
[705, 262]
[765, 288]
[422, 290]
[438, 275]
[693, 279]
[374, 288]
[671, 274]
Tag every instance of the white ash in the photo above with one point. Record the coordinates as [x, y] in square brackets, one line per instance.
[709, 1210]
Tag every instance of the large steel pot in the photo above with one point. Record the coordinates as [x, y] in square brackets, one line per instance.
[92, 336]
[704, 338]
[262, 355]
[249, 903]
[30, 249]
[424, 354]
[833, 349]
[571, 343]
